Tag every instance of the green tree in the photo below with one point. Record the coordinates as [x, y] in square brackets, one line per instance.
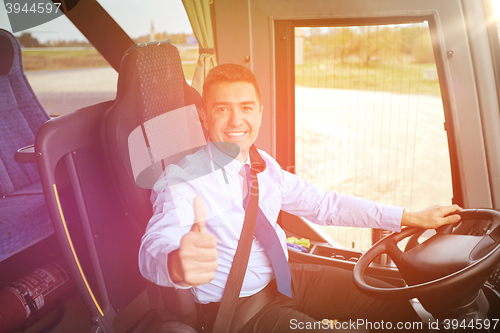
[423, 53]
[27, 40]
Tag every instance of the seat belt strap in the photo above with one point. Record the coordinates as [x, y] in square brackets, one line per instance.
[240, 262]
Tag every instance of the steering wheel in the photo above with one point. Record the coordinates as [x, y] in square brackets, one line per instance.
[442, 261]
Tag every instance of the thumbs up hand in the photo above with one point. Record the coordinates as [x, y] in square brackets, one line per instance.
[200, 215]
[195, 261]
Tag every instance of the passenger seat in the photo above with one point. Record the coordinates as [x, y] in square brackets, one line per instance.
[24, 218]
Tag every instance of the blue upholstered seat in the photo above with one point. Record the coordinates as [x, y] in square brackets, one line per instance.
[24, 219]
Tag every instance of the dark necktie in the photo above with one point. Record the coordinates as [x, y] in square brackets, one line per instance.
[267, 237]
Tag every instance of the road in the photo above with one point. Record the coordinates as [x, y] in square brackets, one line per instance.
[63, 91]
[388, 147]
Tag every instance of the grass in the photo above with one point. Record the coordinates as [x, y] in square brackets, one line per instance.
[394, 77]
[43, 59]
[188, 70]
[35, 60]
[191, 54]
[397, 77]
[77, 53]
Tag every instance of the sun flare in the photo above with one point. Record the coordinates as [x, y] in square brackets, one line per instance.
[496, 8]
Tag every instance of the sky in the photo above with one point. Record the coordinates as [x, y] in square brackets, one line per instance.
[134, 16]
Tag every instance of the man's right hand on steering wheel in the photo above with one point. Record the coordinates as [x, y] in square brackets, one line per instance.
[432, 217]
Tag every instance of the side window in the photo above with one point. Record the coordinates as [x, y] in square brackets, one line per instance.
[369, 118]
[67, 73]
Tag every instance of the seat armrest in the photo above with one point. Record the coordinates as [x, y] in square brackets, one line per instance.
[25, 155]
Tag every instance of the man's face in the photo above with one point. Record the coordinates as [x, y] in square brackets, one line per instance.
[233, 114]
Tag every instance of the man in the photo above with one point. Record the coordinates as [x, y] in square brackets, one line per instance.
[188, 247]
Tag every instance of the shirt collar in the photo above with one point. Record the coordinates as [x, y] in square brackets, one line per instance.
[229, 164]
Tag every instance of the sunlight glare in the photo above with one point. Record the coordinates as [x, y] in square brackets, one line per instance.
[496, 9]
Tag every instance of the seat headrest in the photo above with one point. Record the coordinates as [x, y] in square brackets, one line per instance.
[156, 70]
[150, 83]
[9, 47]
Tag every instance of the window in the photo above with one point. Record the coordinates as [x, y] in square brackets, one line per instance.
[67, 73]
[369, 118]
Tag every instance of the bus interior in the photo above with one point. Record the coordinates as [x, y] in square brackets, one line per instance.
[396, 101]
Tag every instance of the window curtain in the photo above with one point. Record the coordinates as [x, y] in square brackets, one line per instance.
[198, 12]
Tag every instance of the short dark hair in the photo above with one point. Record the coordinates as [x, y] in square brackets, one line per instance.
[227, 73]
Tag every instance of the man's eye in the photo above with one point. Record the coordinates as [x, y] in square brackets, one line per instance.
[222, 109]
[247, 108]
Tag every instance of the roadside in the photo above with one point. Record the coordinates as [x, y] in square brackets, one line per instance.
[65, 90]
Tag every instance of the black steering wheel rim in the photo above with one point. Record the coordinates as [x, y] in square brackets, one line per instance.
[387, 244]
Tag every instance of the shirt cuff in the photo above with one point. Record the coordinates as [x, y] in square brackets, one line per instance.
[154, 267]
[181, 285]
[177, 285]
[391, 218]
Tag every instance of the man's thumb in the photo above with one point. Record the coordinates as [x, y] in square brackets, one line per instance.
[200, 215]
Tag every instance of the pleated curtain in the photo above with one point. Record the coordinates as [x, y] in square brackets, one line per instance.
[199, 16]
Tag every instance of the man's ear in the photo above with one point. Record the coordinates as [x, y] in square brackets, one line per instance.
[204, 118]
[260, 114]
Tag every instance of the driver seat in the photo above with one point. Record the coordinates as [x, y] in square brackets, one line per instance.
[151, 83]
[98, 212]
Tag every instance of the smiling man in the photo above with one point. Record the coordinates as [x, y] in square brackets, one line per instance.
[232, 113]
[186, 247]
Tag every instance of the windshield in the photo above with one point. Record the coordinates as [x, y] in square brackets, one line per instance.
[67, 72]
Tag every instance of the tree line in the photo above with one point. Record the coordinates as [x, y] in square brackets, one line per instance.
[28, 40]
[368, 44]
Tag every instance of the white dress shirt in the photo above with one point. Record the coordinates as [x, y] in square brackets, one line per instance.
[220, 185]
